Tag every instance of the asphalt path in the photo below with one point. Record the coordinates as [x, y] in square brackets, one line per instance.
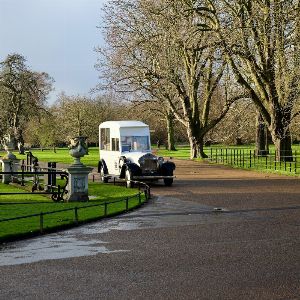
[217, 233]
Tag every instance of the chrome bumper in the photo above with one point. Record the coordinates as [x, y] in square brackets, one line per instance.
[145, 177]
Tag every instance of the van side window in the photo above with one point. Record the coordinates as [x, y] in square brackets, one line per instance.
[115, 144]
[105, 139]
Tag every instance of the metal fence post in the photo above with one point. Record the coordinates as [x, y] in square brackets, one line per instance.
[105, 209]
[295, 162]
[234, 158]
[222, 158]
[76, 215]
[284, 165]
[41, 222]
[127, 203]
[243, 158]
[22, 170]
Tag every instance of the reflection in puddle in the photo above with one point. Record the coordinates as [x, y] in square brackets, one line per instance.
[54, 246]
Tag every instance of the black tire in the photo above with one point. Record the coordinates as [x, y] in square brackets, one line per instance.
[168, 172]
[103, 178]
[168, 181]
[128, 179]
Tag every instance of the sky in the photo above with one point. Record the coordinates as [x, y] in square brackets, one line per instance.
[57, 37]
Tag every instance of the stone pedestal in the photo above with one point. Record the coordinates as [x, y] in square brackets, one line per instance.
[9, 165]
[78, 182]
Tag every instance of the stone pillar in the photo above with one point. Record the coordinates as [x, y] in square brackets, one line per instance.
[78, 182]
[6, 167]
[9, 165]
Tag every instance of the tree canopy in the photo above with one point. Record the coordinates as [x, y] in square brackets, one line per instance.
[23, 94]
[155, 51]
[261, 41]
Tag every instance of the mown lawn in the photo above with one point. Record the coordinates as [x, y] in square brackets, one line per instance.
[62, 156]
[12, 206]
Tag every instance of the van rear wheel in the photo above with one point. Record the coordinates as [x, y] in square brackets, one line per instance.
[128, 179]
[103, 178]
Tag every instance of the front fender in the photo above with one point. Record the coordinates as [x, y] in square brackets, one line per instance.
[134, 168]
[100, 164]
[167, 168]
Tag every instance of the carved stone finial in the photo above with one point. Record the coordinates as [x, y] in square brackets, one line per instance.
[78, 148]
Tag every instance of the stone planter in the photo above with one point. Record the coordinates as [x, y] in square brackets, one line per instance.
[78, 173]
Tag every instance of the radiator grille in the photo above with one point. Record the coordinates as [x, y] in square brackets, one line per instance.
[149, 165]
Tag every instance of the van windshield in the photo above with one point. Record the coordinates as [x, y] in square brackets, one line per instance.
[135, 143]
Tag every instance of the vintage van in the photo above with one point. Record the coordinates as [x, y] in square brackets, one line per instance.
[125, 152]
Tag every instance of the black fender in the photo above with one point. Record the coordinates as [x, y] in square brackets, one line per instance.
[167, 168]
[100, 164]
[134, 168]
[122, 162]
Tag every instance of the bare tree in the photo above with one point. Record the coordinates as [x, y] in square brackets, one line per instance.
[154, 48]
[81, 115]
[261, 41]
[238, 126]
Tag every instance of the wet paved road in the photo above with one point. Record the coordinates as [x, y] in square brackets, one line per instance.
[175, 247]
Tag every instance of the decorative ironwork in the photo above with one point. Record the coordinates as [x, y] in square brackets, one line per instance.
[58, 192]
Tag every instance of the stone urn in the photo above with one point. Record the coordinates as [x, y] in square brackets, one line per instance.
[8, 143]
[78, 148]
[78, 173]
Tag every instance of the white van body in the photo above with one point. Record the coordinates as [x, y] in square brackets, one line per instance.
[125, 151]
[127, 134]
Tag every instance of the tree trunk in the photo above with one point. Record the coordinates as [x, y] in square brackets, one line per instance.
[170, 131]
[283, 147]
[193, 148]
[196, 144]
[201, 150]
[262, 145]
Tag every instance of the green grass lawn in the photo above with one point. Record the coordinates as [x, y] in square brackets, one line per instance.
[62, 156]
[12, 206]
[35, 204]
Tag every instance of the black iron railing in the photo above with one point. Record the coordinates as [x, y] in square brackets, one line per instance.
[249, 159]
[144, 189]
[48, 187]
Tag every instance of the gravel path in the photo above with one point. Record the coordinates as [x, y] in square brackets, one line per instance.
[218, 233]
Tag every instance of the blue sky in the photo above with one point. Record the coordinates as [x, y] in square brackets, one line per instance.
[55, 36]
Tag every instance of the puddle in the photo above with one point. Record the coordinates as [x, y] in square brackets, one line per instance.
[161, 212]
[53, 246]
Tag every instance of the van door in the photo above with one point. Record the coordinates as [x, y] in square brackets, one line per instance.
[115, 156]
